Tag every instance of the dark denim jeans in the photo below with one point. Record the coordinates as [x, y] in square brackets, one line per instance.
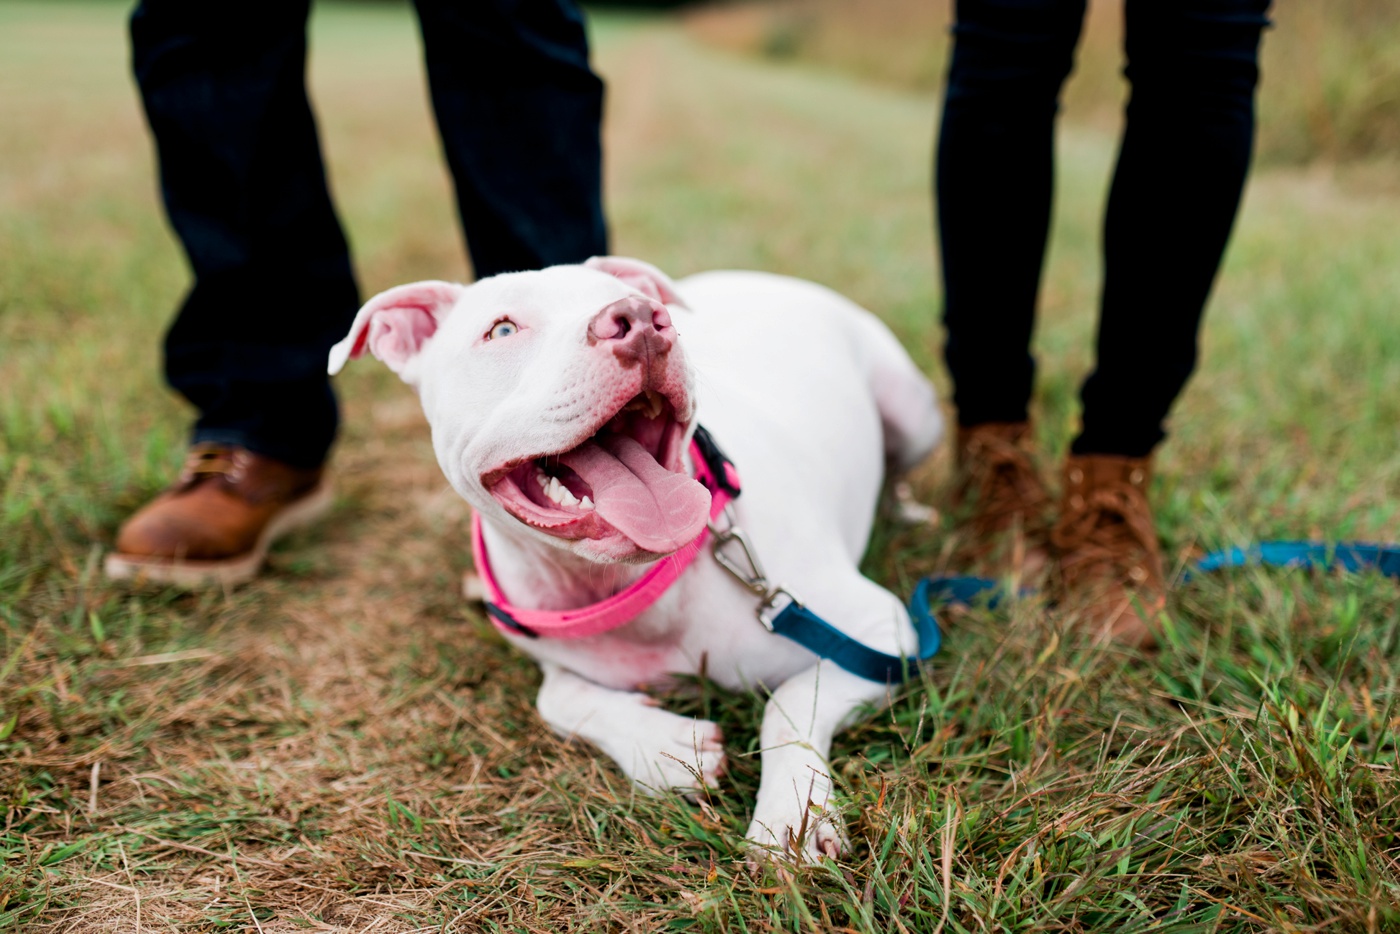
[223, 84]
[1192, 66]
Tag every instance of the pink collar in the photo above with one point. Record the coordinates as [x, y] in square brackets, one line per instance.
[628, 604]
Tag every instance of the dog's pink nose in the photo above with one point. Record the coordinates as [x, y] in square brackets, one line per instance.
[634, 328]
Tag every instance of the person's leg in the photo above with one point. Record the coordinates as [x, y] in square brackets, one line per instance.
[224, 90]
[240, 166]
[519, 111]
[1181, 169]
[993, 182]
[994, 179]
[1193, 66]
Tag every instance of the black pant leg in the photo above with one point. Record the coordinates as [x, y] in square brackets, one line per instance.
[994, 180]
[1181, 171]
[520, 112]
[241, 174]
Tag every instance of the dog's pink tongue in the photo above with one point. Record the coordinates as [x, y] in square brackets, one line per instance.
[657, 509]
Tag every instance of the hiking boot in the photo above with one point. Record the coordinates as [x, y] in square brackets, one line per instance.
[215, 524]
[999, 501]
[1110, 565]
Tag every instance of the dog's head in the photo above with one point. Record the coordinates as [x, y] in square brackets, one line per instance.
[560, 400]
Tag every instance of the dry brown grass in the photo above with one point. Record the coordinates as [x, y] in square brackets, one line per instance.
[350, 748]
[345, 745]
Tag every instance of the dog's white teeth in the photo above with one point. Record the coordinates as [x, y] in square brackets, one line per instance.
[541, 477]
[586, 504]
[648, 403]
[559, 493]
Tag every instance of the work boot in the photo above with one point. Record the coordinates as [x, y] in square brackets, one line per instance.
[1110, 565]
[215, 525]
[999, 502]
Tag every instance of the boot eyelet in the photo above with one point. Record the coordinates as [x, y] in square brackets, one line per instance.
[1076, 502]
[1138, 574]
[1076, 475]
[1136, 477]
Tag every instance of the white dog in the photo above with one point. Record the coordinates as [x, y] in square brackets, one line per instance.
[562, 404]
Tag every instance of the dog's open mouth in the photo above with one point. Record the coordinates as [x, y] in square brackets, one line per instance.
[626, 477]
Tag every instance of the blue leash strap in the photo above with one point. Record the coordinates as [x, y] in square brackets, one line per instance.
[815, 634]
[957, 590]
[1349, 556]
[809, 630]
[735, 553]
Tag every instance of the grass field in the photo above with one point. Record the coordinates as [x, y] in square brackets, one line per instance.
[346, 745]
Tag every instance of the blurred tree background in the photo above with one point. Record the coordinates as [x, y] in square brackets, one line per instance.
[1331, 68]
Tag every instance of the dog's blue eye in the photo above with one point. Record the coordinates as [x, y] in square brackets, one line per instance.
[501, 329]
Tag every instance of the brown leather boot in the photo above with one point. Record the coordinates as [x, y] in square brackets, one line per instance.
[215, 524]
[999, 502]
[1110, 565]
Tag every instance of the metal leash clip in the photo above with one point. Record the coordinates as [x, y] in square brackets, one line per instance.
[747, 570]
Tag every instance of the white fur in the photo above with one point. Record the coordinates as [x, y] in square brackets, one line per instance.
[810, 395]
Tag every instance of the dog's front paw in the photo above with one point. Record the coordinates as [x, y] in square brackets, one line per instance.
[802, 836]
[667, 751]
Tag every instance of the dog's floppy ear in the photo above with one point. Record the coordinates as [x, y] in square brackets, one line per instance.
[394, 325]
[644, 277]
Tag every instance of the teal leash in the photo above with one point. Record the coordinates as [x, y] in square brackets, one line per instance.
[1351, 557]
[781, 612]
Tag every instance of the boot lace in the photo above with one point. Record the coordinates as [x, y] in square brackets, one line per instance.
[211, 459]
[1107, 534]
[1004, 485]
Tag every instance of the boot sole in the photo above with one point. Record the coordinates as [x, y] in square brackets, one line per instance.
[226, 572]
